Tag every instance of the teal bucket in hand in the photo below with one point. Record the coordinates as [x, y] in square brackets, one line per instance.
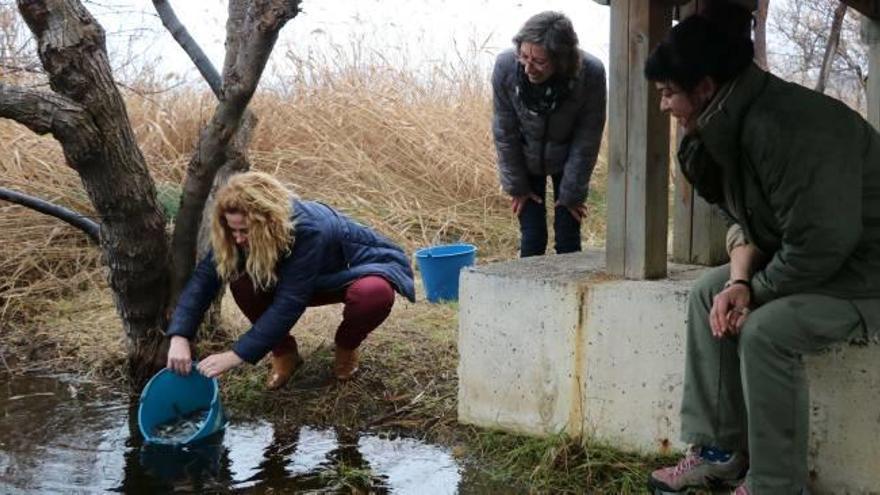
[440, 267]
[169, 397]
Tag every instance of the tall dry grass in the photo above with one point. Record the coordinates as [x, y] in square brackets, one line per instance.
[407, 152]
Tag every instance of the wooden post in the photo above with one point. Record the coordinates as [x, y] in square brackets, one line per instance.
[698, 231]
[871, 37]
[638, 175]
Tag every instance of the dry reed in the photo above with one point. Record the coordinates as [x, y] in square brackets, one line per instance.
[408, 153]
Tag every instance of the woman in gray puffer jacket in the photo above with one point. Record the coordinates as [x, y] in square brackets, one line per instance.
[549, 114]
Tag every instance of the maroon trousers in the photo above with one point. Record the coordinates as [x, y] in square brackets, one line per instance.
[368, 301]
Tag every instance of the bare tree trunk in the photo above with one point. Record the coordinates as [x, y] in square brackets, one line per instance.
[761, 33]
[831, 47]
[248, 48]
[86, 114]
[100, 146]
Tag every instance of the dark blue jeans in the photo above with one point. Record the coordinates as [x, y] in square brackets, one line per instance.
[533, 222]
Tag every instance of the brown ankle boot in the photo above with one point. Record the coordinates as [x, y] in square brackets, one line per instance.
[283, 367]
[346, 363]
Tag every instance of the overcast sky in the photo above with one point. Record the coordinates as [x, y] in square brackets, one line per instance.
[422, 31]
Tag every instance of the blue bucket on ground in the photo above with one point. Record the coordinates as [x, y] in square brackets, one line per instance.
[440, 267]
[169, 396]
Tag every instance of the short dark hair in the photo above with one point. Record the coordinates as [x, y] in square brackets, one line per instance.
[554, 32]
[716, 43]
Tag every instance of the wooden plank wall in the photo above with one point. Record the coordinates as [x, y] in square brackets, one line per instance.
[638, 184]
[698, 231]
[871, 37]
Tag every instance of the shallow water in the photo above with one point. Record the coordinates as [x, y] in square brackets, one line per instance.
[58, 435]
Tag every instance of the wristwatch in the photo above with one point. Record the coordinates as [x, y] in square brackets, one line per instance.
[740, 281]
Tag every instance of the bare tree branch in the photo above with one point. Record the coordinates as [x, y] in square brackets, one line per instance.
[761, 33]
[45, 113]
[263, 20]
[83, 223]
[189, 45]
[831, 47]
[236, 153]
[803, 35]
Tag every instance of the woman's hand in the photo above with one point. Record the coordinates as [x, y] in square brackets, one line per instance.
[217, 364]
[730, 308]
[518, 202]
[179, 355]
[579, 212]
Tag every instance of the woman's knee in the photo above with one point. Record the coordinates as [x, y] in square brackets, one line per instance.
[776, 326]
[373, 292]
[768, 328]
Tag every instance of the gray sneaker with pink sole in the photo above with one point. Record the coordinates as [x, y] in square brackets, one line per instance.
[695, 472]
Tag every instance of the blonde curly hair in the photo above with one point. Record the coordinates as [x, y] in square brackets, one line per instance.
[266, 206]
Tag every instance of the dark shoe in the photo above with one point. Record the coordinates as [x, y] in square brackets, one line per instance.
[283, 367]
[345, 364]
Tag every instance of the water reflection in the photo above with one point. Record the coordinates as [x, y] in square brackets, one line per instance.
[61, 436]
[312, 451]
[411, 466]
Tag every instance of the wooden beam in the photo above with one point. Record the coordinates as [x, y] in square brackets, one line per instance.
[871, 37]
[870, 8]
[638, 175]
[698, 231]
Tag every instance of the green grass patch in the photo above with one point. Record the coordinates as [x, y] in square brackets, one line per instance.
[560, 464]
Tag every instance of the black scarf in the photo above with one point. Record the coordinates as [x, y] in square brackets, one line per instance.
[544, 97]
[701, 170]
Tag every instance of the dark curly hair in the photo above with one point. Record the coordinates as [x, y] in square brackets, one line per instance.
[715, 43]
[554, 32]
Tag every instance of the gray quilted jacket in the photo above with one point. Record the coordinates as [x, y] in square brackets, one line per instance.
[566, 140]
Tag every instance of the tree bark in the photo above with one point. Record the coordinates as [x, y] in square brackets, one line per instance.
[761, 33]
[831, 47]
[71, 47]
[257, 33]
[48, 113]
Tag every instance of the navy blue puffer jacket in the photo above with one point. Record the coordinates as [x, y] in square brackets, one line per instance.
[330, 251]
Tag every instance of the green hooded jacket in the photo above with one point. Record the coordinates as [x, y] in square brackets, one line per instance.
[799, 173]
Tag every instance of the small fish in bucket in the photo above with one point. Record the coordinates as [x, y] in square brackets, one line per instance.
[179, 410]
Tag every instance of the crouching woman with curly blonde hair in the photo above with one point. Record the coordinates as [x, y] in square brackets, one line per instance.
[279, 256]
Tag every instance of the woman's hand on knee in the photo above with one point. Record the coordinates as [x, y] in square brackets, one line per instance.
[578, 212]
[730, 307]
[517, 203]
[179, 355]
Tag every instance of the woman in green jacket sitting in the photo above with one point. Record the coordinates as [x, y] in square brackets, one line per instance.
[798, 173]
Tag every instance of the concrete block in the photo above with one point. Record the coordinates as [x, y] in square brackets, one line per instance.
[845, 420]
[551, 344]
[520, 323]
[633, 369]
